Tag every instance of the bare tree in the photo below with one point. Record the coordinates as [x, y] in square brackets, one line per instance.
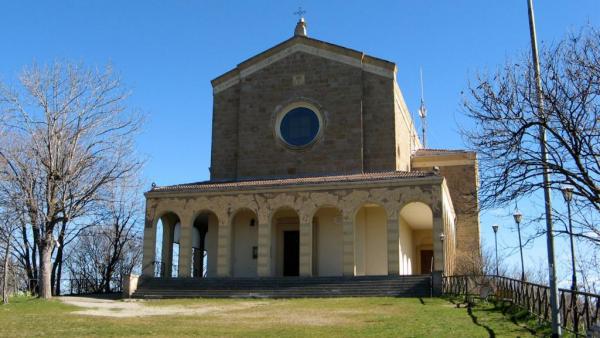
[504, 109]
[6, 236]
[588, 268]
[112, 247]
[9, 214]
[69, 134]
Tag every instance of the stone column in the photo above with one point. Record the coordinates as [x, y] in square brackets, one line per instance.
[264, 246]
[167, 247]
[185, 249]
[149, 246]
[393, 243]
[438, 229]
[306, 245]
[348, 228]
[224, 248]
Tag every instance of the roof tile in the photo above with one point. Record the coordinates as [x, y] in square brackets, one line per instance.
[249, 183]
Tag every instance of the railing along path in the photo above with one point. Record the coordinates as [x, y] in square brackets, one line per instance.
[579, 311]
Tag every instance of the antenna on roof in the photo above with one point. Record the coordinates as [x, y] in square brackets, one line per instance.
[423, 113]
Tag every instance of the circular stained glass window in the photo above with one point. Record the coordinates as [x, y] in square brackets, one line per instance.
[299, 127]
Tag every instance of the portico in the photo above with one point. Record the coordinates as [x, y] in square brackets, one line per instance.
[351, 225]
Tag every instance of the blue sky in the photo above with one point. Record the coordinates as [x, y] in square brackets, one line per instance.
[168, 51]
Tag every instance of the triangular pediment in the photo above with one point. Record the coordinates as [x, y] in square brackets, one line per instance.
[306, 45]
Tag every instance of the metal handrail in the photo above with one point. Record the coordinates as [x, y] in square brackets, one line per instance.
[579, 311]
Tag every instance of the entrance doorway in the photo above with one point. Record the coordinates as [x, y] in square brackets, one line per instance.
[291, 253]
[426, 261]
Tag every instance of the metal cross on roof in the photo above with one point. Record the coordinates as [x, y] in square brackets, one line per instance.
[300, 13]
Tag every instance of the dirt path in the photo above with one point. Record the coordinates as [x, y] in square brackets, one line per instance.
[137, 308]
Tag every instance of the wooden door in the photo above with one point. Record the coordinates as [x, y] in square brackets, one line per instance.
[291, 253]
[426, 261]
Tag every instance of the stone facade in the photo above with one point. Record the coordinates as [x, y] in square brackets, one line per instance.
[362, 197]
[366, 124]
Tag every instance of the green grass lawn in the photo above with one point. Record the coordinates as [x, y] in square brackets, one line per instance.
[336, 317]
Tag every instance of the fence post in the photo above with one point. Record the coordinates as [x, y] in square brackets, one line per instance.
[436, 283]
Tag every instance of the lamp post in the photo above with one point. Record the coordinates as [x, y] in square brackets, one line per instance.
[556, 328]
[518, 217]
[568, 196]
[495, 228]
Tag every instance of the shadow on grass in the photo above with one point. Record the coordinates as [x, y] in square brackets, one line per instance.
[520, 317]
[509, 311]
[489, 330]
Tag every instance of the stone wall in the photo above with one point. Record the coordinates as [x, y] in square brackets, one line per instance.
[363, 131]
[378, 120]
[225, 134]
[461, 174]
[334, 88]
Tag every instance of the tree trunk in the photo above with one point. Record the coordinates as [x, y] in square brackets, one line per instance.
[5, 274]
[56, 269]
[35, 252]
[59, 273]
[45, 274]
[58, 261]
[57, 266]
[26, 258]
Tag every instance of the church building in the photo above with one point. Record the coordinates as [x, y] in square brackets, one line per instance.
[316, 170]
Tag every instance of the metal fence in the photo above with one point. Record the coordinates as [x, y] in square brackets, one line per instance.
[162, 270]
[79, 286]
[579, 311]
[83, 286]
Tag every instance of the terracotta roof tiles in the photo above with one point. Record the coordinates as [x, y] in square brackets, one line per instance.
[245, 184]
[425, 152]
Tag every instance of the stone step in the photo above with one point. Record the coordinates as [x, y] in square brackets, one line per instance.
[271, 286]
[276, 281]
[299, 289]
[285, 287]
[231, 293]
[279, 295]
[421, 291]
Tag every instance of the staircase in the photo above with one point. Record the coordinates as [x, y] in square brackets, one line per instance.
[285, 287]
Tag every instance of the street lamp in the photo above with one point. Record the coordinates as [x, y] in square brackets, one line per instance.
[568, 195]
[518, 218]
[495, 228]
[554, 303]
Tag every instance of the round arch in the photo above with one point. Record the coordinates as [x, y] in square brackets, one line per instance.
[370, 239]
[285, 241]
[166, 254]
[205, 235]
[328, 244]
[244, 243]
[415, 224]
